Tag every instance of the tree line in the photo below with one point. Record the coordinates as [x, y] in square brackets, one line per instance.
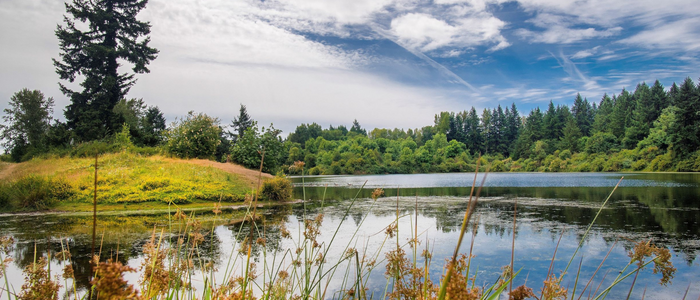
[650, 128]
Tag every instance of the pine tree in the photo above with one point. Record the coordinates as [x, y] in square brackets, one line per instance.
[514, 124]
[112, 36]
[550, 123]
[659, 99]
[582, 112]
[152, 126]
[571, 135]
[673, 93]
[688, 102]
[602, 119]
[356, 128]
[622, 114]
[487, 129]
[241, 123]
[643, 116]
[473, 132]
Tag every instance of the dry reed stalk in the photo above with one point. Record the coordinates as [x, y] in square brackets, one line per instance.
[467, 215]
[596, 270]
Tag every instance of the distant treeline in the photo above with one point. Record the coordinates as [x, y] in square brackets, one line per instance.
[649, 129]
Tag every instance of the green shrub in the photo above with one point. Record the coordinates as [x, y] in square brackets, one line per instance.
[276, 189]
[195, 136]
[155, 184]
[34, 193]
[89, 149]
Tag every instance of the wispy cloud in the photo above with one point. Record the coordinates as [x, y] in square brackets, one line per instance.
[586, 53]
[574, 73]
[442, 69]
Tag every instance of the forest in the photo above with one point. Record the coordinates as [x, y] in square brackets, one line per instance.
[648, 129]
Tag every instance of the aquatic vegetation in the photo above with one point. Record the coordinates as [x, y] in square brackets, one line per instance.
[276, 189]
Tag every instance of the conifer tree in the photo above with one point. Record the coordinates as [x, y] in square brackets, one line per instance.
[602, 118]
[241, 123]
[113, 36]
[571, 134]
[356, 128]
[582, 113]
[550, 122]
[688, 102]
[643, 116]
[622, 114]
[487, 130]
[473, 132]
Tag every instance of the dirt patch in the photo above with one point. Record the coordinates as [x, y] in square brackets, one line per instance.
[6, 170]
[250, 177]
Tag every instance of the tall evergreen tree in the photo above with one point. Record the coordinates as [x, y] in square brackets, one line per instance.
[113, 35]
[473, 132]
[241, 123]
[583, 115]
[356, 128]
[571, 134]
[513, 125]
[688, 102]
[551, 122]
[531, 132]
[498, 139]
[621, 117]
[152, 126]
[643, 116]
[673, 93]
[601, 121]
[487, 130]
[659, 99]
[563, 116]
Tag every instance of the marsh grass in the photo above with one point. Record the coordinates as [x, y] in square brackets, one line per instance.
[173, 264]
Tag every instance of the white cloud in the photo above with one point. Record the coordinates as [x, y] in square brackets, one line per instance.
[681, 34]
[565, 35]
[567, 21]
[585, 53]
[589, 84]
[288, 96]
[427, 33]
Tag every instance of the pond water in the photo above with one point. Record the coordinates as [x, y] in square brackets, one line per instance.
[663, 208]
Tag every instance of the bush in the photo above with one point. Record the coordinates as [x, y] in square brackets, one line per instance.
[601, 142]
[276, 189]
[89, 149]
[34, 193]
[195, 136]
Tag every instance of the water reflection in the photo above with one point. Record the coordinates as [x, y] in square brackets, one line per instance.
[668, 214]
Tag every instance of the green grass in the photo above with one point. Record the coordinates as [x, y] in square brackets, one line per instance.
[124, 179]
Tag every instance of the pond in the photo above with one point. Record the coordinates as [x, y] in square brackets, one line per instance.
[552, 209]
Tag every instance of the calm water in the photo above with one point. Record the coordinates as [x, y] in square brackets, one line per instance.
[664, 208]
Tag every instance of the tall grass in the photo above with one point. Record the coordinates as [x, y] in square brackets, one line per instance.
[173, 265]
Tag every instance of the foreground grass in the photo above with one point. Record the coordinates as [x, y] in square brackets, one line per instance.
[124, 179]
[172, 264]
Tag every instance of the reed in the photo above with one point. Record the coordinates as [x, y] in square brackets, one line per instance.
[173, 260]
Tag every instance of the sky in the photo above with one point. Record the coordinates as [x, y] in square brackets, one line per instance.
[386, 63]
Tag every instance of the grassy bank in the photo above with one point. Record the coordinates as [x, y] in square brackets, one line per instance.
[125, 180]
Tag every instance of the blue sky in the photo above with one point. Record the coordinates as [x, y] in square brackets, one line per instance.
[387, 63]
